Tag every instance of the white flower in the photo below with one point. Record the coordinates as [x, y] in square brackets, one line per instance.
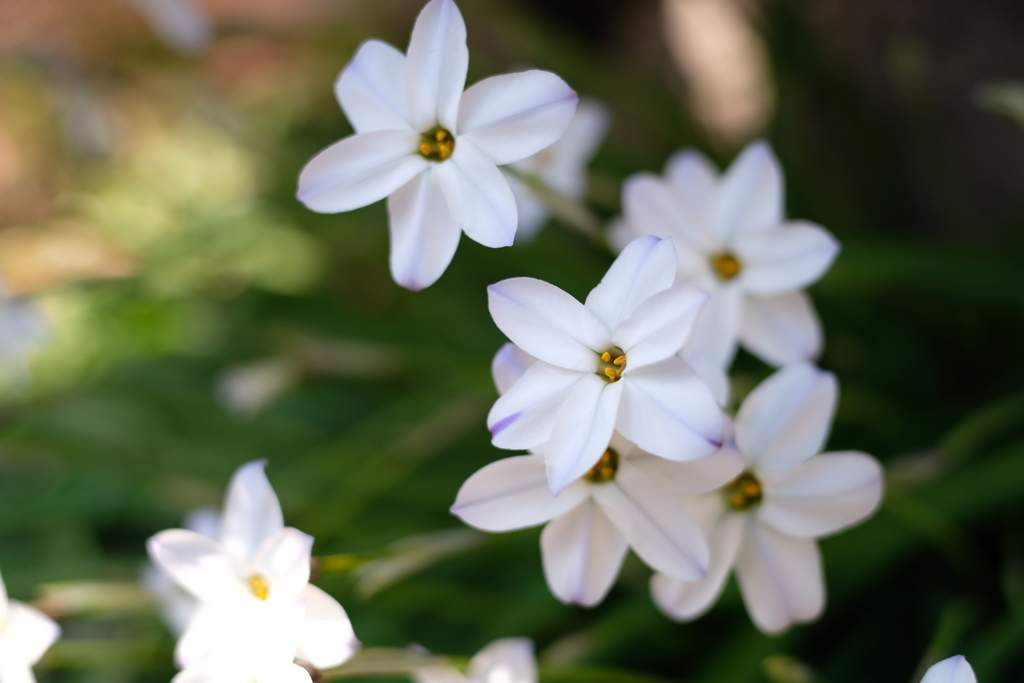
[256, 571]
[182, 24]
[734, 240]
[562, 167]
[177, 606]
[261, 651]
[606, 365]
[248, 389]
[22, 330]
[25, 636]
[764, 522]
[626, 500]
[431, 148]
[508, 660]
[952, 670]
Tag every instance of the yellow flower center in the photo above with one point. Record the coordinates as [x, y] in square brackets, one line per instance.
[605, 469]
[259, 586]
[611, 365]
[743, 492]
[437, 144]
[726, 265]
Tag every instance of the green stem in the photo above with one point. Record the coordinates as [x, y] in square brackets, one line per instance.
[576, 216]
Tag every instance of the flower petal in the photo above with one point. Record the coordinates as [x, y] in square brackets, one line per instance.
[645, 267]
[582, 431]
[513, 494]
[4, 601]
[668, 411]
[687, 600]
[653, 207]
[424, 235]
[749, 194]
[197, 563]
[716, 330]
[785, 258]
[781, 329]
[547, 323]
[566, 160]
[514, 116]
[693, 476]
[693, 178]
[371, 89]
[582, 553]
[952, 670]
[532, 212]
[508, 660]
[326, 638]
[525, 415]
[786, 419]
[780, 578]
[509, 364]
[437, 63]
[708, 369]
[360, 170]
[823, 495]
[254, 632]
[659, 326]
[479, 196]
[283, 560]
[654, 523]
[30, 632]
[252, 513]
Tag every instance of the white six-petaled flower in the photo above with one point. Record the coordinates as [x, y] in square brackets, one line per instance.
[626, 500]
[764, 523]
[562, 167]
[605, 365]
[953, 670]
[508, 660]
[25, 636]
[257, 571]
[734, 240]
[431, 148]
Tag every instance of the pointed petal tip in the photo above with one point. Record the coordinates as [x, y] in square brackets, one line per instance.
[500, 426]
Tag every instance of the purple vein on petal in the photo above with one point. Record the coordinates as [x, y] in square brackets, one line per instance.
[500, 426]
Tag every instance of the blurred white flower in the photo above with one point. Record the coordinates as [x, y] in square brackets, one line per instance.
[261, 652]
[508, 660]
[952, 670]
[764, 523]
[606, 365]
[257, 571]
[182, 24]
[22, 330]
[248, 389]
[431, 148]
[734, 241]
[562, 167]
[177, 606]
[626, 500]
[25, 636]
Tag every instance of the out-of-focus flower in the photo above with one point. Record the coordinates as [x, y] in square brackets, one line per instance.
[182, 24]
[508, 660]
[256, 571]
[431, 149]
[764, 523]
[22, 331]
[562, 167]
[177, 606]
[952, 670]
[248, 389]
[626, 500]
[734, 241]
[25, 636]
[261, 651]
[606, 365]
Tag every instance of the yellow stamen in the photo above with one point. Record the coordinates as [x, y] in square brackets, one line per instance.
[743, 492]
[621, 360]
[605, 468]
[610, 374]
[611, 364]
[606, 357]
[726, 265]
[437, 144]
[259, 586]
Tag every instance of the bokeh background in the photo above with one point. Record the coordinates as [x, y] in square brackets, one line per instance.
[199, 317]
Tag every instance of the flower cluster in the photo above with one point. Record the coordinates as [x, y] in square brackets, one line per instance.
[619, 400]
[252, 612]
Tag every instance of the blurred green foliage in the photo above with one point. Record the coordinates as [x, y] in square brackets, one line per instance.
[122, 433]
